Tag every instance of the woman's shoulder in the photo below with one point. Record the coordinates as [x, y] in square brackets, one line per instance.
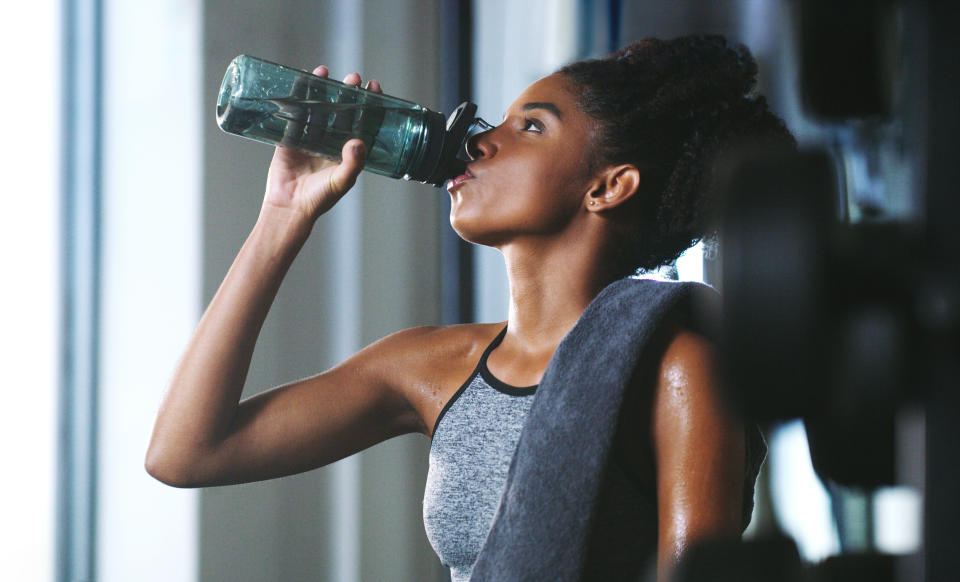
[439, 342]
[427, 364]
[408, 359]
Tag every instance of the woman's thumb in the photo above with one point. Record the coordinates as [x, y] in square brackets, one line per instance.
[353, 155]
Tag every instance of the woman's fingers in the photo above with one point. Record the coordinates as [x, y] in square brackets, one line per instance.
[353, 79]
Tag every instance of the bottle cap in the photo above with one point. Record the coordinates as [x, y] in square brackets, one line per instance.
[446, 156]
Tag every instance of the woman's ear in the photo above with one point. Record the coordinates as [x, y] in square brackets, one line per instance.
[613, 187]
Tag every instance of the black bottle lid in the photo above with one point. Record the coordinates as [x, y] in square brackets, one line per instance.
[442, 159]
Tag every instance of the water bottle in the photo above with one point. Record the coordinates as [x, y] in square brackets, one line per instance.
[281, 105]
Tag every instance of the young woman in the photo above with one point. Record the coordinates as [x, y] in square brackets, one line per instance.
[596, 171]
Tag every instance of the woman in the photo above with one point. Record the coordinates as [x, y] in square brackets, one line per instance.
[596, 171]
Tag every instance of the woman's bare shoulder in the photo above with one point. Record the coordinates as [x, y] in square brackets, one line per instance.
[443, 342]
[426, 365]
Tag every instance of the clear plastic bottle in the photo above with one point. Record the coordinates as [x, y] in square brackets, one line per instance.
[284, 106]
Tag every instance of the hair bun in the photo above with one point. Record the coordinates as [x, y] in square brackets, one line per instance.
[669, 107]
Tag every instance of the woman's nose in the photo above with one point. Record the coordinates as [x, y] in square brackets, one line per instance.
[479, 146]
[476, 144]
[473, 148]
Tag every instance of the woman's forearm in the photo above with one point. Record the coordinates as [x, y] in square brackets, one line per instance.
[199, 409]
[201, 400]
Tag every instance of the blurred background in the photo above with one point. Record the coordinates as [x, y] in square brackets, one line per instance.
[125, 205]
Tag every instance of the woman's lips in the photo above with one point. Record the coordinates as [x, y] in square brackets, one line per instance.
[454, 182]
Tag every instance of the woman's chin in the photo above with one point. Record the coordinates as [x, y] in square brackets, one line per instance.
[472, 232]
[468, 235]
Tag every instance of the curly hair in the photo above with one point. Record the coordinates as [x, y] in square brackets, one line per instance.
[671, 107]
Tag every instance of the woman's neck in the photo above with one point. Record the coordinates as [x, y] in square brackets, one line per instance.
[549, 289]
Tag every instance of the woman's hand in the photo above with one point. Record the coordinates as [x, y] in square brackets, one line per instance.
[302, 186]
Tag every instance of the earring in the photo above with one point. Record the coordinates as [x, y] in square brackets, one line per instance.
[593, 202]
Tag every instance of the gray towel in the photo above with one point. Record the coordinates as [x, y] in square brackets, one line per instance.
[541, 528]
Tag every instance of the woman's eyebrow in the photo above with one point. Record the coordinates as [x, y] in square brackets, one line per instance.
[546, 105]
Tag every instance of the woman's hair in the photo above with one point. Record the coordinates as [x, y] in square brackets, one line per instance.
[670, 107]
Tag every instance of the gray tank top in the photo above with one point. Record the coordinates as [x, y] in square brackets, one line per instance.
[473, 443]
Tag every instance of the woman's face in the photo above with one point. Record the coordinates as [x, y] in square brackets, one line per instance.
[529, 174]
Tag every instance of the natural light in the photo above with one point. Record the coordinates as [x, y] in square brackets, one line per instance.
[29, 38]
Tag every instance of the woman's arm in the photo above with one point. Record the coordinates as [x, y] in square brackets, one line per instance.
[203, 435]
[699, 449]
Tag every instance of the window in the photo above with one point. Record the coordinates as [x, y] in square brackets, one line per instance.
[29, 293]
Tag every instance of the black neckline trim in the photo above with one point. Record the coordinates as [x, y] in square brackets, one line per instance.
[481, 368]
[495, 382]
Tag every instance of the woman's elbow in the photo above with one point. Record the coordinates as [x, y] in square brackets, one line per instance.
[169, 470]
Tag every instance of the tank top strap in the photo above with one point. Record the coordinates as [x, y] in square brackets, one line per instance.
[482, 362]
[479, 370]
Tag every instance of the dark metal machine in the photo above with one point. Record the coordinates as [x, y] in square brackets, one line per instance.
[847, 321]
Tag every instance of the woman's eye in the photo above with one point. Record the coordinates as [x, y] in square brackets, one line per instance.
[532, 125]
